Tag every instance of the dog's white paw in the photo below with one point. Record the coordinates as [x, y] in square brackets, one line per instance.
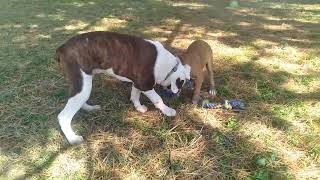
[74, 140]
[142, 108]
[91, 108]
[95, 107]
[195, 102]
[212, 92]
[169, 112]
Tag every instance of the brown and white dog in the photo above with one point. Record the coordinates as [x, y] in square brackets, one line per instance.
[128, 58]
[199, 56]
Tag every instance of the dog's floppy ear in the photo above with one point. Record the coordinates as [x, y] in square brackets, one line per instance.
[187, 71]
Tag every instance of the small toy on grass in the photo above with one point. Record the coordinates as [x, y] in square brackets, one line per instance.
[235, 105]
[206, 104]
[211, 106]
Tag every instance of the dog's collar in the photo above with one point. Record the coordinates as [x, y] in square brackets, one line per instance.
[174, 69]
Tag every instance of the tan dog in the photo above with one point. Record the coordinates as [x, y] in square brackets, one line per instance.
[198, 56]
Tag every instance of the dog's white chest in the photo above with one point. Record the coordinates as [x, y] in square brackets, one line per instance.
[111, 73]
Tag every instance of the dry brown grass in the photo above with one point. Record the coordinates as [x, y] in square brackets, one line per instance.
[265, 53]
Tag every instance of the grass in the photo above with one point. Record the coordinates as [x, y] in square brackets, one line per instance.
[266, 53]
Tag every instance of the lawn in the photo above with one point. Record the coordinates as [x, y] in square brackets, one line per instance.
[266, 53]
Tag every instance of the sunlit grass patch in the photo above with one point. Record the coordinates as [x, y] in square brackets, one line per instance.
[266, 53]
[190, 5]
[238, 55]
[106, 24]
[307, 11]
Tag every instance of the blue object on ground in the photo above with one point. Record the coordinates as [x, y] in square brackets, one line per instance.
[211, 105]
[189, 84]
[206, 104]
[166, 93]
[236, 104]
[232, 104]
[226, 104]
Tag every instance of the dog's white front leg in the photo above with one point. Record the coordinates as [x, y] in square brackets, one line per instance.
[157, 101]
[72, 107]
[135, 98]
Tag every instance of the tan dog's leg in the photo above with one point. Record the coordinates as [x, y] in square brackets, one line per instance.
[212, 90]
[197, 88]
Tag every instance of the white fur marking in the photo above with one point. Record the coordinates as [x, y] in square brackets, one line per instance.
[89, 108]
[111, 73]
[158, 103]
[164, 63]
[135, 98]
[72, 107]
[174, 87]
[188, 71]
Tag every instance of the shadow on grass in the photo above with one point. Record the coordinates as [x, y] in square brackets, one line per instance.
[38, 169]
[235, 154]
[33, 92]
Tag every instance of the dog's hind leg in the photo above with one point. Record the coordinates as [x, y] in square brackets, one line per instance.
[135, 98]
[72, 107]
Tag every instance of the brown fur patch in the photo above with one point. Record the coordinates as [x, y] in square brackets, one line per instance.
[128, 56]
[199, 56]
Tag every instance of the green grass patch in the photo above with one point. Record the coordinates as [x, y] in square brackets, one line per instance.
[265, 53]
